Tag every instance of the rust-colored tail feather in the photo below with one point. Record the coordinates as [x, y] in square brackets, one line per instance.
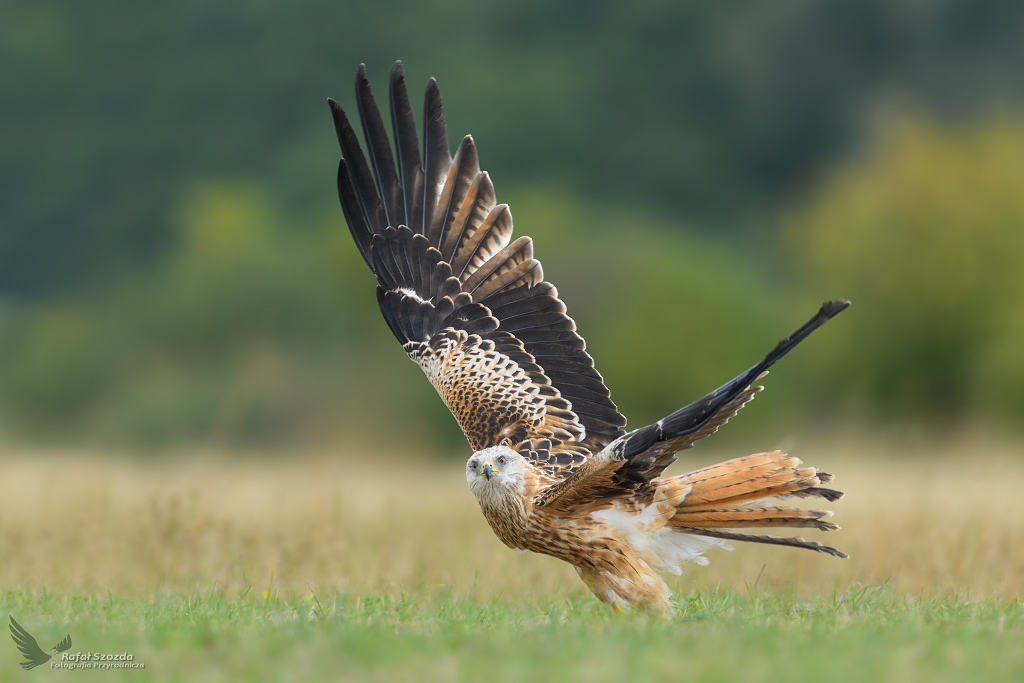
[727, 518]
[754, 477]
[719, 498]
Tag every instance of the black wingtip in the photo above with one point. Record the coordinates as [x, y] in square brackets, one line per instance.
[361, 81]
[340, 122]
[692, 417]
[831, 309]
[828, 310]
[432, 105]
[397, 70]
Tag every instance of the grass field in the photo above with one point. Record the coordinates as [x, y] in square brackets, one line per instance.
[210, 567]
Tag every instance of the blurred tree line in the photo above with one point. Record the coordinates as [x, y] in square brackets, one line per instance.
[698, 176]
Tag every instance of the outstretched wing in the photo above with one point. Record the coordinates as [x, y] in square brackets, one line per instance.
[632, 460]
[467, 303]
[28, 646]
[64, 645]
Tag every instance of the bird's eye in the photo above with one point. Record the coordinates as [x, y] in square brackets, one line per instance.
[501, 460]
[473, 464]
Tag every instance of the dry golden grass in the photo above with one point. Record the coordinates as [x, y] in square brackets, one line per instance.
[947, 520]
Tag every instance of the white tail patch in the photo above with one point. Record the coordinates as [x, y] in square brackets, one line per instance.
[670, 548]
[662, 547]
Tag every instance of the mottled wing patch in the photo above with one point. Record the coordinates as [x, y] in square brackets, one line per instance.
[555, 458]
[490, 396]
[494, 399]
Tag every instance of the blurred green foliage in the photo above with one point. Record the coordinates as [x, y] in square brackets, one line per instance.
[173, 264]
[704, 112]
[926, 235]
[250, 332]
[260, 331]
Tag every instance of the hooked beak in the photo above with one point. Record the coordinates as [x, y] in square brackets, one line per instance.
[488, 470]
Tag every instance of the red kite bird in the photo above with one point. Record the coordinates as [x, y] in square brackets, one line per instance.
[554, 470]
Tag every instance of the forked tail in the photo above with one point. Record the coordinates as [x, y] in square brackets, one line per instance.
[725, 496]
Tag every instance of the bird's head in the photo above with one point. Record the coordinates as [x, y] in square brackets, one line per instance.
[496, 473]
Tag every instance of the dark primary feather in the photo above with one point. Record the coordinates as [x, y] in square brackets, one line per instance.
[431, 231]
[692, 417]
[437, 157]
[355, 216]
[357, 172]
[494, 231]
[475, 207]
[407, 149]
[381, 159]
[464, 168]
[632, 460]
